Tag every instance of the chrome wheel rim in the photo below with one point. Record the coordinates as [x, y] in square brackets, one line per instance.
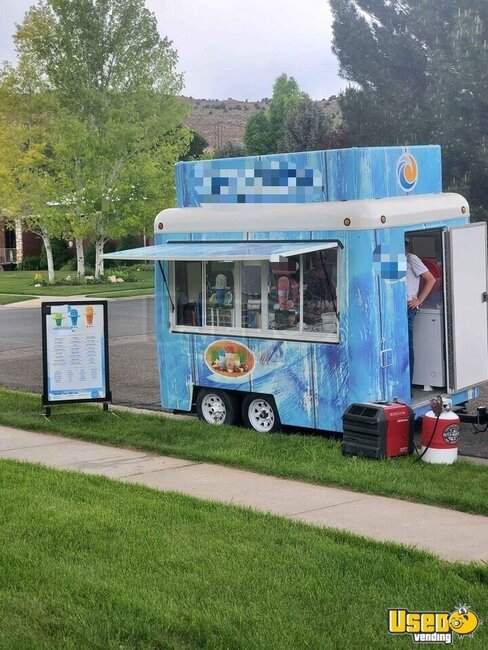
[213, 409]
[261, 415]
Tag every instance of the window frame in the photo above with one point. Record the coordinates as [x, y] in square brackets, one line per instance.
[263, 332]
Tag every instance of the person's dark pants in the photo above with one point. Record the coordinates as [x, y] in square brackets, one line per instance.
[411, 313]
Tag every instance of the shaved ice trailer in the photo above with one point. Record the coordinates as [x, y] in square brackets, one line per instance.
[281, 291]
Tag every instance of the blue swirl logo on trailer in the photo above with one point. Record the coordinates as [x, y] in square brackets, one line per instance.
[407, 172]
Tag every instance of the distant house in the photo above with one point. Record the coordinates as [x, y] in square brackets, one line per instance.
[10, 252]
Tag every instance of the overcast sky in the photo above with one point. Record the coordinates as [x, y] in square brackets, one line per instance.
[233, 48]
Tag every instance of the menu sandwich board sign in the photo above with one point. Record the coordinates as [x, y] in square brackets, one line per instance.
[75, 352]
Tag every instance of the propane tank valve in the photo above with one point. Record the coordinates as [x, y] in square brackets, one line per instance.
[446, 405]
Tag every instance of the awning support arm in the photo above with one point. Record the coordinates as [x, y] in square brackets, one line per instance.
[166, 285]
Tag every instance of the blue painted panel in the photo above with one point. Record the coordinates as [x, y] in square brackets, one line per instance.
[285, 370]
[282, 369]
[285, 235]
[361, 319]
[175, 351]
[277, 178]
[337, 175]
[378, 172]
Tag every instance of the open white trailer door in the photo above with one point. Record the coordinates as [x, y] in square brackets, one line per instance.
[465, 282]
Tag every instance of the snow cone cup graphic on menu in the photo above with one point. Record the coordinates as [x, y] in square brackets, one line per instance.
[283, 289]
[73, 314]
[58, 318]
[89, 315]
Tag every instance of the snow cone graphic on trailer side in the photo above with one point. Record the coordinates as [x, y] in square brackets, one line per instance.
[281, 286]
[229, 359]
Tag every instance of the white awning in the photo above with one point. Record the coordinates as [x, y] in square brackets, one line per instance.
[221, 251]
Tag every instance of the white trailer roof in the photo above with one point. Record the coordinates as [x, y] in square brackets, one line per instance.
[366, 214]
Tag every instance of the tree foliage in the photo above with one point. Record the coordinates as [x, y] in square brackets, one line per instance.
[265, 131]
[292, 122]
[257, 136]
[196, 148]
[230, 150]
[420, 69]
[28, 165]
[119, 130]
[308, 128]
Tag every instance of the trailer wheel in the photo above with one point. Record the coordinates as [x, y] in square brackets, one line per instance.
[217, 407]
[259, 412]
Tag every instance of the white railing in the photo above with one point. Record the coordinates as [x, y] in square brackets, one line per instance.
[8, 255]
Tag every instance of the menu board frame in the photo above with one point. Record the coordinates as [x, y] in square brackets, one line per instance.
[48, 310]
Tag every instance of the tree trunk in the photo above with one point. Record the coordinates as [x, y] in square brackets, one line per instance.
[19, 244]
[99, 242]
[80, 257]
[49, 255]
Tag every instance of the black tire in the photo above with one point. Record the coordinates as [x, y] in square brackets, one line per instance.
[217, 407]
[259, 412]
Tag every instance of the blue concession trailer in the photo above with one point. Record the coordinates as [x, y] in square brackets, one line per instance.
[281, 291]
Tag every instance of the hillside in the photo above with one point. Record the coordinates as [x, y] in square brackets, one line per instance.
[221, 121]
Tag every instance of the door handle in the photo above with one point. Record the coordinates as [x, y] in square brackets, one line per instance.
[484, 296]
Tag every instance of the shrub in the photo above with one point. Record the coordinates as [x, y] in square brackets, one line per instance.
[70, 265]
[61, 254]
[145, 267]
[31, 264]
[127, 276]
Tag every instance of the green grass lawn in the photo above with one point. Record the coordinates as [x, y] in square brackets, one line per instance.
[7, 299]
[22, 283]
[86, 562]
[316, 459]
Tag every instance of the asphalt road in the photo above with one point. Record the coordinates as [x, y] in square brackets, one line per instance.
[134, 375]
[133, 364]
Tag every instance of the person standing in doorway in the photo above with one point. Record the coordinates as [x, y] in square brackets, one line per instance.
[416, 270]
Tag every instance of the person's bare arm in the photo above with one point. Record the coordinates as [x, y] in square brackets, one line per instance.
[427, 287]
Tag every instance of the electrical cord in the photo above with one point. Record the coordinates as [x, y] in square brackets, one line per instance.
[436, 406]
[476, 430]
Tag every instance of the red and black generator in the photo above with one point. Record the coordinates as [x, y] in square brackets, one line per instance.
[378, 430]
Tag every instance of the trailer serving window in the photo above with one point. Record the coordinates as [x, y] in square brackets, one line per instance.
[294, 297]
[283, 290]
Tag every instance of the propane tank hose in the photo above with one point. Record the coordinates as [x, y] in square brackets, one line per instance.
[436, 407]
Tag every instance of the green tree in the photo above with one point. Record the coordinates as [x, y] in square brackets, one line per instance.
[308, 128]
[257, 136]
[265, 131]
[286, 95]
[230, 150]
[27, 171]
[116, 81]
[421, 74]
[197, 147]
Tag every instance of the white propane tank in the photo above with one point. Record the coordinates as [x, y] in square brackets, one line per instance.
[443, 435]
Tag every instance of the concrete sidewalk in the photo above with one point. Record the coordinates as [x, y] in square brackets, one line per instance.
[451, 535]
